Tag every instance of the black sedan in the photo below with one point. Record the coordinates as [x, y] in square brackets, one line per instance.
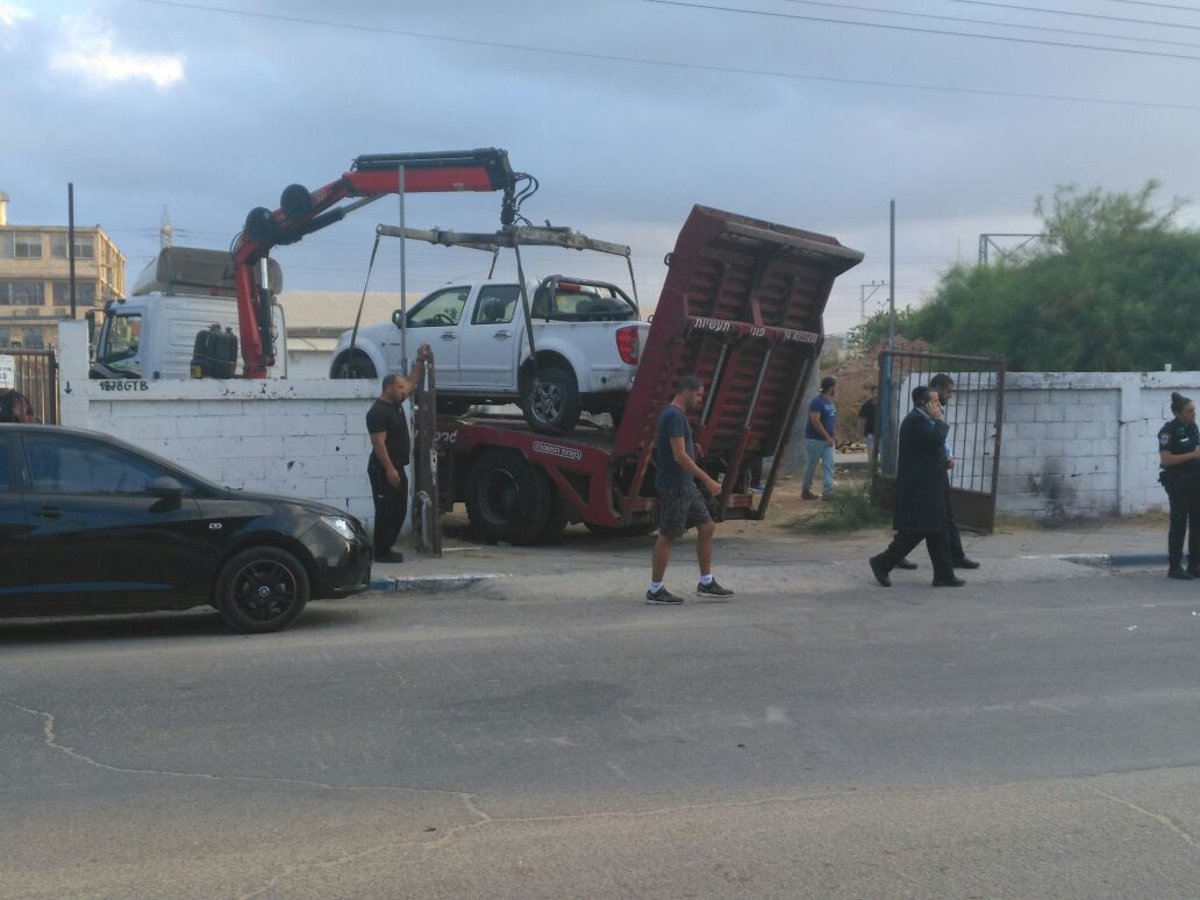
[89, 524]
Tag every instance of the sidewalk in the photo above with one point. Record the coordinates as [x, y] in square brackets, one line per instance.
[757, 545]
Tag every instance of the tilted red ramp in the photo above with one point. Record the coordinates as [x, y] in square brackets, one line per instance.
[741, 309]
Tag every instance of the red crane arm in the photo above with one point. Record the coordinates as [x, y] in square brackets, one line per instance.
[370, 177]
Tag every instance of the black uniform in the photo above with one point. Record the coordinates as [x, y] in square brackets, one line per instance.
[391, 503]
[1183, 492]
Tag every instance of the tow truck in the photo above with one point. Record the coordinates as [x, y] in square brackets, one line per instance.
[741, 308]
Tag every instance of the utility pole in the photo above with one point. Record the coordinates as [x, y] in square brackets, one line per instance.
[892, 281]
[863, 297]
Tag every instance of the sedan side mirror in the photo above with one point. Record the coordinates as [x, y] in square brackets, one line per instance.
[166, 488]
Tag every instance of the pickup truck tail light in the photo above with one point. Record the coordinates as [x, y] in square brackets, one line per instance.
[627, 344]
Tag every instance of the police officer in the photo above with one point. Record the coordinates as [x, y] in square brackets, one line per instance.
[1179, 454]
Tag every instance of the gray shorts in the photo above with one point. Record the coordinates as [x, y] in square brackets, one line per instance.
[679, 510]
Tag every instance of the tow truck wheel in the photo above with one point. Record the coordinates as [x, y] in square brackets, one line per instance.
[508, 499]
[354, 365]
[556, 522]
[261, 589]
[551, 402]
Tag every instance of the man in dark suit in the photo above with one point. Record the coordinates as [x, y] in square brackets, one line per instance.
[921, 484]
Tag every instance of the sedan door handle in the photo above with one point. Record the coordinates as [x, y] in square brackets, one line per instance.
[50, 512]
[449, 336]
[501, 335]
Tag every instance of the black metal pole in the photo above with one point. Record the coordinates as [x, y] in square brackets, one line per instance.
[71, 240]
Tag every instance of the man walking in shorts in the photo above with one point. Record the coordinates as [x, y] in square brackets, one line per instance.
[680, 505]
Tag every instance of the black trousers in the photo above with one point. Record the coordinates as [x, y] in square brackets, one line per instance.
[936, 542]
[1184, 500]
[956, 547]
[391, 506]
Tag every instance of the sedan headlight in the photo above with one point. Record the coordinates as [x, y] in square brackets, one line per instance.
[341, 525]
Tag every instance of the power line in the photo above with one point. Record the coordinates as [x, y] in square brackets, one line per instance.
[697, 67]
[1080, 15]
[992, 22]
[1190, 9]
[934, 31]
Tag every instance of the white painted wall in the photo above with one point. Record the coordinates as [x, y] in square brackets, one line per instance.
[1074, 444]
[301, 438]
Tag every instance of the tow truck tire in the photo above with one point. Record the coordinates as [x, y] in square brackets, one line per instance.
[261, 589]
[556, 522]
[354, 365]
[551, 401]
[508, 498]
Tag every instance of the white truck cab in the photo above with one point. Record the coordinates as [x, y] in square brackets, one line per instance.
[183, 291]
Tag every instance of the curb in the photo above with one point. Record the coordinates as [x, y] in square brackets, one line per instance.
[1115, 559]
[429, 584]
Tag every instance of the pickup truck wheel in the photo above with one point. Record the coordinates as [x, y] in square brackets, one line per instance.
[261, 589]
[551, 401]
[354, 365]
[508, 498]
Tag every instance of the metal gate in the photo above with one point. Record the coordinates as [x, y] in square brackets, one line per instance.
[35, 374]
[975, 415]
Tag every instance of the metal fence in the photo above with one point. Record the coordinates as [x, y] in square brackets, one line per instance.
[35, 374]
[975, 415]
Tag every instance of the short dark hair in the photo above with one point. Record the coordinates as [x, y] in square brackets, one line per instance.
[1179, 402]
[941, 380]
[688, 383]
[920, 395]
[827, 382]
[389, 379]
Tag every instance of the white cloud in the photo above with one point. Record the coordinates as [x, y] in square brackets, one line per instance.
[10, 14]
[90, 51]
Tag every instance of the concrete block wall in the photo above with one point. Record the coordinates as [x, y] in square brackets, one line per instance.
[301, 438]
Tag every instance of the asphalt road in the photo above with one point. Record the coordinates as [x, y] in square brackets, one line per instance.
[1035, 736]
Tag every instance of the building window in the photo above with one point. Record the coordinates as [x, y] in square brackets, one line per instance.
[22, 293]
[27, 246]
[5, 337]
[33, 339]
[85, 293]
[85, 247]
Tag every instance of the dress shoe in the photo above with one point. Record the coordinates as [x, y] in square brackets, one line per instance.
[1180, 574]
[906, 565]
[948, 582]
[389, 557]
[965, 563]
[879, 572]
[1194, 571]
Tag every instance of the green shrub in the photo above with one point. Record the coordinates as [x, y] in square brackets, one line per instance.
[848, 510]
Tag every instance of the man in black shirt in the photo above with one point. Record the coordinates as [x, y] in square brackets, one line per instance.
[391, 449]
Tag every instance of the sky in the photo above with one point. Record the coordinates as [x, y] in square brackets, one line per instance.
[816, 115]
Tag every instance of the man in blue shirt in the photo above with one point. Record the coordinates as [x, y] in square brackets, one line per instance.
[680, 505]
[818, 439]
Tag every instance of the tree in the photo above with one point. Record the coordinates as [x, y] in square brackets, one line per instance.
[1115, 286]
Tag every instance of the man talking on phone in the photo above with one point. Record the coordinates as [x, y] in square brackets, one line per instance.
[921, 484]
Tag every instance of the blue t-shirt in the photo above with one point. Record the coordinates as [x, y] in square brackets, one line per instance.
[668, 476]
[828, 410]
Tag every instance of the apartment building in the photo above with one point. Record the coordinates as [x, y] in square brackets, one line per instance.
[35, 287]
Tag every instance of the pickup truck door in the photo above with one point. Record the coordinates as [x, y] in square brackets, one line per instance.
[435, 320]
[489, 341]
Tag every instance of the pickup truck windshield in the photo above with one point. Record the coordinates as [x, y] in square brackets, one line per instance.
[119, 338]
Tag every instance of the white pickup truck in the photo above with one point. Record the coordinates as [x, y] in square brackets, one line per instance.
[586, 338]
